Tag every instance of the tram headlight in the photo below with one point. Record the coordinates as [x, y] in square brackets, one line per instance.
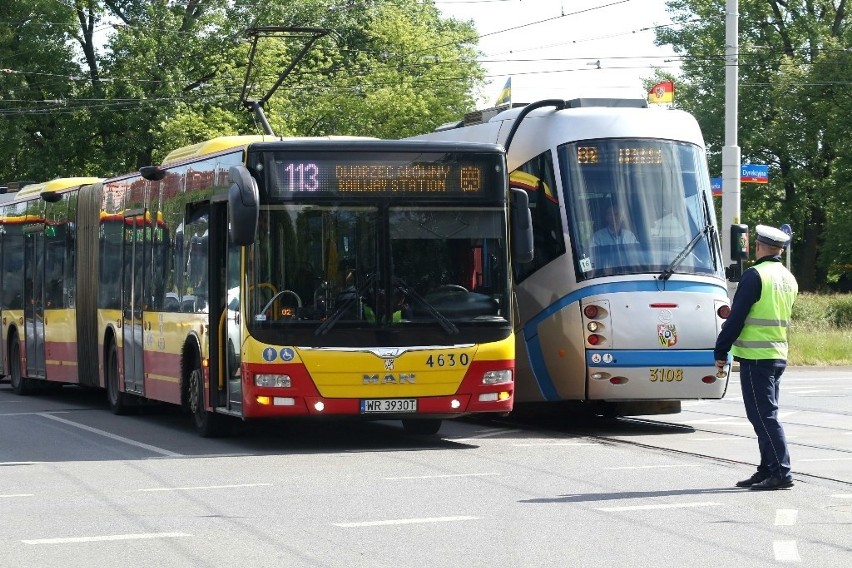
[264, 380]
[497, 377]
[593, 326]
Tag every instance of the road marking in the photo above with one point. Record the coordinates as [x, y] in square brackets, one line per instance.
[718, 439]
[655, 466]
[205, 487]
[786, 517]
[405, 522]
[654, 507]
[138, 536]
[11, 495]
[842, 496]
[111, 436]
[487, 434]
[441, 476]
[792, 391]
[786, 551]
[824, 459]
[548, 444]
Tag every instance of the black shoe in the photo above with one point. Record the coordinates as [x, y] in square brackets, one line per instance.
[771, 483]
[756, 477]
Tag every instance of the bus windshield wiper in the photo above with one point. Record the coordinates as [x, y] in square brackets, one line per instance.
[326, 326]
[667, 273]
[446, 324]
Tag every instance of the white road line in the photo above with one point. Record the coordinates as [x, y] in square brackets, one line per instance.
[405, 522]
[111, 436]
[487, 434]
[786, 551]
[138, 536]
[548, 444]
[842, 496]
[19, 463]
[205, 487]
[824, 459]
[786, 517]
[441, 476]
[655, 466]
[654, 507]
[11, 495]
[717, 439]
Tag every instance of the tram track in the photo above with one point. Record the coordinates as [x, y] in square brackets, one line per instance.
[589, 430]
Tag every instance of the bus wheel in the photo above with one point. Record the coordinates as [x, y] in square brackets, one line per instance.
[425, 427]
[208, 424]
[20, 384]
[119, 402]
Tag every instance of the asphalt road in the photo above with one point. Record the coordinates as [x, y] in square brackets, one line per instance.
[82, 487]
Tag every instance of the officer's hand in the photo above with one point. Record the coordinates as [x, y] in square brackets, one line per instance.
[721, 364]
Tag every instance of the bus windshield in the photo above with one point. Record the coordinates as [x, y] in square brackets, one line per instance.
[637, 206]
[327, 273]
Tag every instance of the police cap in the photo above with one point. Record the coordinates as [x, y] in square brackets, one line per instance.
[772, 236]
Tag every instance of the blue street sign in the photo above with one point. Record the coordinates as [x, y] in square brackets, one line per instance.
[787, 229]
[754, 173]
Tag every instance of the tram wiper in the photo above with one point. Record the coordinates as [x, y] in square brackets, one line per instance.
[326, 326]
[446, 324]
[667, 273]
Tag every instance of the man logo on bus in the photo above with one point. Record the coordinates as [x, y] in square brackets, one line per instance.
[667, 333]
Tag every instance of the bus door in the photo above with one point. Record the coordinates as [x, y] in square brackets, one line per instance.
[34, 299]
[226, 341]
[133, 262]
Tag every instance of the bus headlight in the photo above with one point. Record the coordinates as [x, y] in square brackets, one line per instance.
[497, 377]
[272, 381]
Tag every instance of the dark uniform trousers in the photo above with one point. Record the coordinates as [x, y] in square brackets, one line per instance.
[760, 382]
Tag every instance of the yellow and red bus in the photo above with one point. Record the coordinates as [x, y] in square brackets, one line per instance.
[253, 277]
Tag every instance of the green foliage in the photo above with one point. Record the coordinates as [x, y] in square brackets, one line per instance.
[168, 74]
[794, 82]
[821, 330]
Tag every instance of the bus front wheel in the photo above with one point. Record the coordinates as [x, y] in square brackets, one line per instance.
[208, 424]
[119, 402]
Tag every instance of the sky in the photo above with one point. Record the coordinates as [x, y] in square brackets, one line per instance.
[566, 48]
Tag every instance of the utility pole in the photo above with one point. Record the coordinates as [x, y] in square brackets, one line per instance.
[731, 157]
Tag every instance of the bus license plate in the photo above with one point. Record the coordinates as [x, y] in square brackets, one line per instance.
[379, 405]
[665, 375]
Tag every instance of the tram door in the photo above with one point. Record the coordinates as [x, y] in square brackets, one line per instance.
[34, 299]
[133, 254]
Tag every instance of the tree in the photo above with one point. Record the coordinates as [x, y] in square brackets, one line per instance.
[793, 92]
[170, 74]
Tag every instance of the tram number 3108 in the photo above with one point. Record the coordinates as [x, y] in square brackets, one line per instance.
[662, 375]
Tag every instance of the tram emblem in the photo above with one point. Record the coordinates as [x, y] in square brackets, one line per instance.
[667, 334]
[389, 364]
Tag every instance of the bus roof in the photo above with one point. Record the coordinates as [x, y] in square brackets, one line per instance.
[57, 184]
[212, 146]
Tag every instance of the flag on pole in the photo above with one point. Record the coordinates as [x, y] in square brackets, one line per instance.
[506, 94]
[662, 92]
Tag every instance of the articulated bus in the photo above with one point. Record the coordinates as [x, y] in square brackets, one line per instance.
[253, 277]
[622, 303]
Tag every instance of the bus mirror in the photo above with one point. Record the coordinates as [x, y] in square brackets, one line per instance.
[521, 223]
[243, 206]
[51, 196]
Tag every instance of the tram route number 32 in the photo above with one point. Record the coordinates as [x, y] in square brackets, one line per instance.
[662, 375]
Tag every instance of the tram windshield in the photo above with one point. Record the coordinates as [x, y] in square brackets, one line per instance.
[328, 273]
[638, 206]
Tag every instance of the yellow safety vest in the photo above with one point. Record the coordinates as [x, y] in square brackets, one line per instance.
[764, 335]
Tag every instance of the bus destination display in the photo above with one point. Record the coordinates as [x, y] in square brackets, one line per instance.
[448, 175]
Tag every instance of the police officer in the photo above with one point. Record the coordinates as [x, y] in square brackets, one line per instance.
[755, 333]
